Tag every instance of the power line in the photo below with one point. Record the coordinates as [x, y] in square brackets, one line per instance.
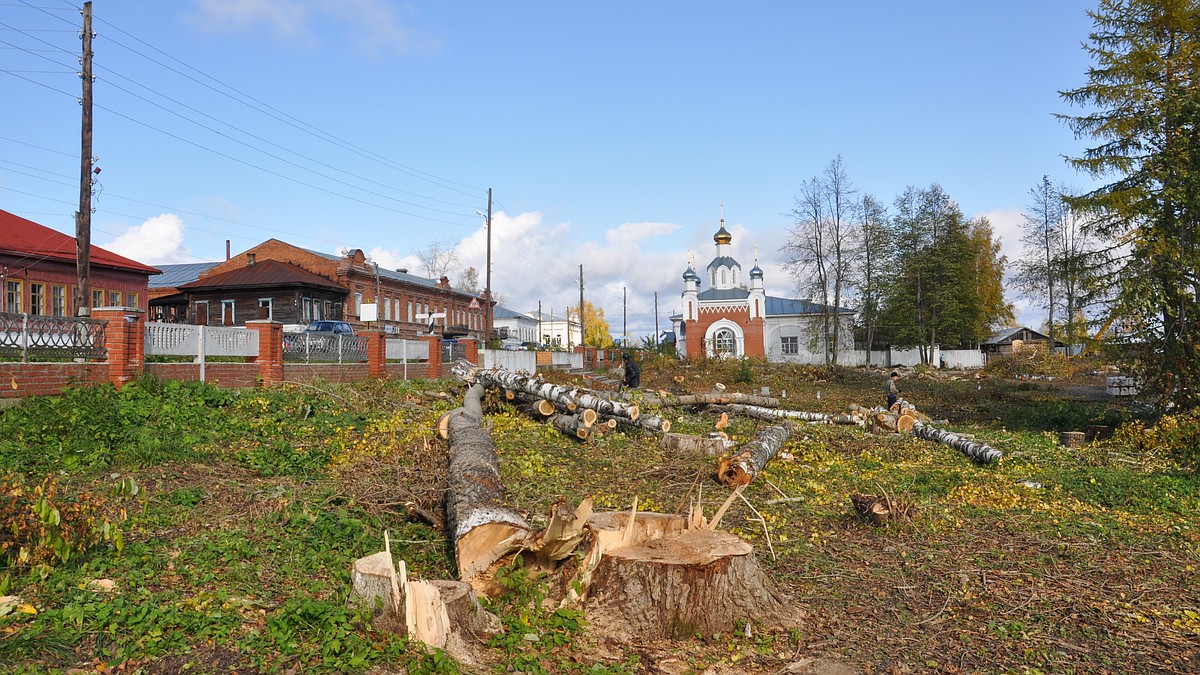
[279, 115]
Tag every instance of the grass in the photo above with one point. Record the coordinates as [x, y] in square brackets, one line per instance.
[240, 513]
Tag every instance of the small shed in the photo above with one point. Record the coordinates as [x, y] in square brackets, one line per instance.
[1012, 340]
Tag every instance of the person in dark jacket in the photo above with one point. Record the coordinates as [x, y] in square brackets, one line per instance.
[892, 389]
[633, 372]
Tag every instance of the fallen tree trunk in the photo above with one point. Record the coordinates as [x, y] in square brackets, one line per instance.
[482, 529]
[647, 422]
[743, 467]
[713, 398]
[764, 413]
[980, 452]
[563, 397]
[572, 425]
[713, 446]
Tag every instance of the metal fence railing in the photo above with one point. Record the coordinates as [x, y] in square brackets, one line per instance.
[310, 348]
[33, 337]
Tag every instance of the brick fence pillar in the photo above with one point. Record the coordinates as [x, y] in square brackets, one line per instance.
[434, 368]
[270, 350]
[125, 341]
[376, 353]
[471, 350]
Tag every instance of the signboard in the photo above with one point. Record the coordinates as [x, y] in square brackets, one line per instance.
[474, 303]
[368, 311]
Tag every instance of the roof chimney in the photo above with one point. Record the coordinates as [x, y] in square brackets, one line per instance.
[227, 249]
[251, 259]
[402, 270]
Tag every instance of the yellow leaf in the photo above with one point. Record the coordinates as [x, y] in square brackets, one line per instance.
[26, 608]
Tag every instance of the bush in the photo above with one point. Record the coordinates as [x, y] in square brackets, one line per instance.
[1177, 436]
[1031, 362]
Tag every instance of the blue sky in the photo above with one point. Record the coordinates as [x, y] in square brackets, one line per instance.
[610, 132]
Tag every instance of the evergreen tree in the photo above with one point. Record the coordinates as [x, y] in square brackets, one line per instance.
[1143, 109]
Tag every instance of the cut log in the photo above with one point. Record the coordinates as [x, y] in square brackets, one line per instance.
[482, 528]
[571, 425]
[879, 510]
[980, 452]
[646, 422]
[713, 398]
[745, 465]
[1097, 432]
[905, 422]
[695, 445]
[885, 422]
[563, 397]
[765, 413]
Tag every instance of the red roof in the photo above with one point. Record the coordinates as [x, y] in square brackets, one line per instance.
[264, 274]
[27, 238]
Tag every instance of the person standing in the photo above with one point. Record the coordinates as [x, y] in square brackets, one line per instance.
[892, 389]
[633, 372]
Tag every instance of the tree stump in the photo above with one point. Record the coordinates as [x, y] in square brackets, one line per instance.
[1072, 439]
[682, 584]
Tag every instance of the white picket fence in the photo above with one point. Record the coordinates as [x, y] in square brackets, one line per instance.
[199, 342]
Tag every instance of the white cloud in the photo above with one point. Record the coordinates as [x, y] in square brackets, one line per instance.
[373, 25]
[632, 232]
[158, 241]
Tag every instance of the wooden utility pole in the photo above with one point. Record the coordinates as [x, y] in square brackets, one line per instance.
[487, 291]
[83, 217]
[582, 334]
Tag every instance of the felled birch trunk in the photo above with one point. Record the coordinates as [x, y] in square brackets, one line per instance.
[572, 425]
[764, 413]
[568, 398]
[712, 398]
[741, 468]
[645, 422]
[980, 452]
[482, 529]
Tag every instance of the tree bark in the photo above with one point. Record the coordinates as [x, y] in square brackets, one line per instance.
[742, 468]
[682, 584]
[713, 398]
[482, 528]
[764, 413]
[980, 452]
[563, 397]
[571, 425]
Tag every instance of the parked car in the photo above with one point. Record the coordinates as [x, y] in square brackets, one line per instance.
[318, 334]
[330, 328]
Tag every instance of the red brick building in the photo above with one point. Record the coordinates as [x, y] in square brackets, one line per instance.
[299, 286]
[38, 274]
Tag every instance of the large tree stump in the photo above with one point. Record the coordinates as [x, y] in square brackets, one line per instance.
[682, 584]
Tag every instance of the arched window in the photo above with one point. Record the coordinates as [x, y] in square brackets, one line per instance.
[725, 343]
[724, 278]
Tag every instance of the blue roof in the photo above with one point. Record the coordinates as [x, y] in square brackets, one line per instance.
[505, 313]
[785, 306]
[174, 276]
